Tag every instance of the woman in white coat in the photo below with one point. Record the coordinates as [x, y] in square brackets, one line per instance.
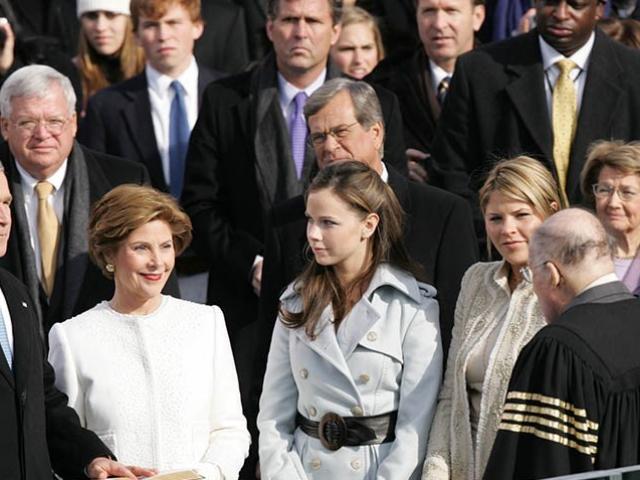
[496, 315]
[152, 375]
[355, 361]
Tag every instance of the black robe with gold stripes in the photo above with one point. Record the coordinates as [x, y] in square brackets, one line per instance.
[573, 404]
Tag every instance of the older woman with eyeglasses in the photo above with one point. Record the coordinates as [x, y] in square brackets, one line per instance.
[610, 182]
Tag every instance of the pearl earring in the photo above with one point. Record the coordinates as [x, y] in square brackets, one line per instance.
[109, 268]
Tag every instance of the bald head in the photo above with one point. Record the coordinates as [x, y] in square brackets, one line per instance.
[568, 252]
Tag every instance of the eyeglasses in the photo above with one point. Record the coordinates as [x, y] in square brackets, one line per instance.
[625, 194]
[338, 133]
[527, 272]
[54, 126]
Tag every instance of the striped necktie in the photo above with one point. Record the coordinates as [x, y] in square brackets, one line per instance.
[4, 341]
[563, 119]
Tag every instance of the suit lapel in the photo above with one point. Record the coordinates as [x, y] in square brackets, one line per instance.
[137, 118]
[22, 339]
[526, 92]
[600, 100]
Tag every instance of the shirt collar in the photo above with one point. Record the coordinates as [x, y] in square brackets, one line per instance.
[161, 83]
[289, 91]
[438, 73]
[30, 182]
[385, 173]
[608, 278]
[550, 55]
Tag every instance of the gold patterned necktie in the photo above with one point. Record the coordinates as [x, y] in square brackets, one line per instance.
[563, 119]
[48, 231]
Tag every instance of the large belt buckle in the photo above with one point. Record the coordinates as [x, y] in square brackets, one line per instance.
[332, 431]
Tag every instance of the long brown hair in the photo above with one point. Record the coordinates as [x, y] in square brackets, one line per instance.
[365, 192]
[89, 61]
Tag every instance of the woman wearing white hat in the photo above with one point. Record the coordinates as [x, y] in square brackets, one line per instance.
[107, 51]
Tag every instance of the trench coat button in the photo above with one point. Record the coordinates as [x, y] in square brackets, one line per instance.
[312, 411]
[364, 378]
[372, 336]
[357, 411]
[315, 464]
[356, 464]
[304, 373]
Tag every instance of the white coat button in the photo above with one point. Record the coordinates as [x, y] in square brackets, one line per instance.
[357, 411]
[315, 464]
[364, 378]
[312, 411]
[356, 464]
[304, 373]
[372, 336]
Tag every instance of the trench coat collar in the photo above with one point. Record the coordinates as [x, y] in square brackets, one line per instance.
[325, 342]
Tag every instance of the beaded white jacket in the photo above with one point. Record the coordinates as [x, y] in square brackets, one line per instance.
[160, 390]
[485, 298]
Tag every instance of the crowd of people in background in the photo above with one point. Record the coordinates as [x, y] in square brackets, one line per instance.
[319, 239]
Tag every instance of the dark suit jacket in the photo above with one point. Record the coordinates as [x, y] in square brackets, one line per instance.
[79, 285]
[224, 43]
[239, 165]
[118, 122]
[408, 75]
[438, 235]
[496, 108]
[32, 411]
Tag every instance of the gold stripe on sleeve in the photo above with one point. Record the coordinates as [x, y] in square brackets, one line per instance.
[552, 437]
[555, 402]
[567, 430]
[586, 426]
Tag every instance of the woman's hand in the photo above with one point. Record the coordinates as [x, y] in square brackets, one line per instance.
[103, 467]
[6, 53]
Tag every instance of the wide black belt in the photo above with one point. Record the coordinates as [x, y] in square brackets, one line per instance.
[335, 431]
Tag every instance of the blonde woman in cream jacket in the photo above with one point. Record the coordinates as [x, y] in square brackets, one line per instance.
[497, 313]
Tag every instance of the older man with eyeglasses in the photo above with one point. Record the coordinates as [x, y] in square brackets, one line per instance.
[54, 182]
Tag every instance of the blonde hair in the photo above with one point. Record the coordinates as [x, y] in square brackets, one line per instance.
[526, 180]
[126, 208]
[617, 154]
[354, 15]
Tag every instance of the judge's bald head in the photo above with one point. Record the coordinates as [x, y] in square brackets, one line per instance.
[568, 252]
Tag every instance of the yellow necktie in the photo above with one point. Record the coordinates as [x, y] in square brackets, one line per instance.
[563, 119]
[48, 230]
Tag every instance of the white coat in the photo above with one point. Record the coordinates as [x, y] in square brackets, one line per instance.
[160, 390]
[385, 356]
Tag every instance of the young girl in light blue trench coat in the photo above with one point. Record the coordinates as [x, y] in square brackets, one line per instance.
[355, 362]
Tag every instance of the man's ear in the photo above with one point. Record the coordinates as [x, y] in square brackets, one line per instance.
[553, 273]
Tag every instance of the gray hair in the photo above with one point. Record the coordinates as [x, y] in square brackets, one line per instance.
[34, 81]
[365, 101]
[573, 237]
[273, 7]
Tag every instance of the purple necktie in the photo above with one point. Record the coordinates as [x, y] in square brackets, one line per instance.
[298, 131]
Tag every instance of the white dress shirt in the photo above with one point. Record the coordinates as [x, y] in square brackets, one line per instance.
[56, 200]
[160, 96]
[551, 71]
[437, 75]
